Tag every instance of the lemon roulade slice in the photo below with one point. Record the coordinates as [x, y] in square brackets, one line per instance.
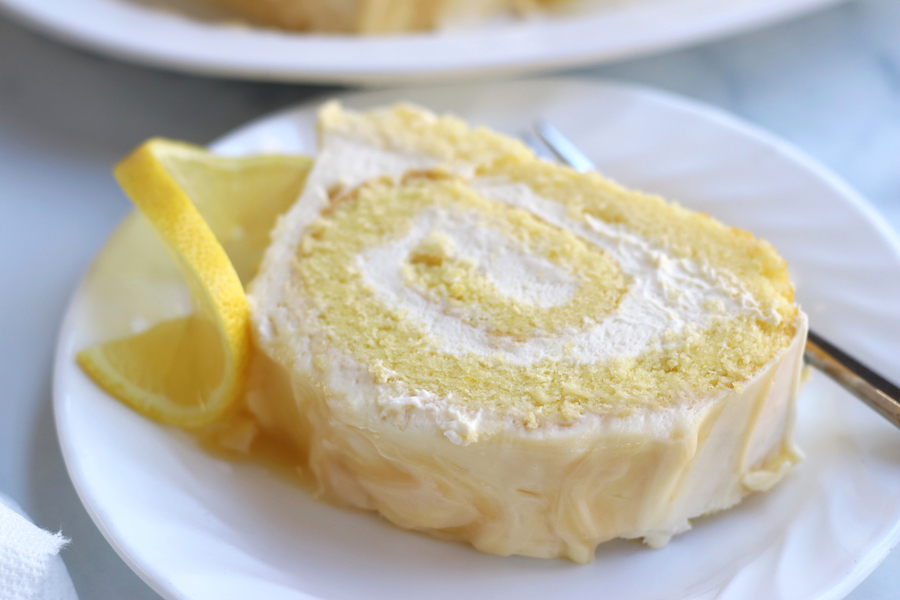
[214, 215]
[495, 349]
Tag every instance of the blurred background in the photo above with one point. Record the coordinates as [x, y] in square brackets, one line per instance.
[827, 81]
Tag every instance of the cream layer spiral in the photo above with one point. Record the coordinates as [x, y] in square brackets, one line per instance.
[496, 349]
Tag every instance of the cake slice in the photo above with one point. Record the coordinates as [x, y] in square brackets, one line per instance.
[374, 16]
[492, 348]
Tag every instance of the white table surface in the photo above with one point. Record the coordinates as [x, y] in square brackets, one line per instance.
[829, 83]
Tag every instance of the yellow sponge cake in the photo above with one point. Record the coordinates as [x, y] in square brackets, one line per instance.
[491, 348]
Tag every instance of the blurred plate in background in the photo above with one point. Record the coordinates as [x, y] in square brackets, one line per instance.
[181, 35]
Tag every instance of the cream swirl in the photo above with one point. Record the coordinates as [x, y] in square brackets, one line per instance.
[502, 351]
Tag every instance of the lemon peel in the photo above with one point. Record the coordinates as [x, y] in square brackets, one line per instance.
[214, 214]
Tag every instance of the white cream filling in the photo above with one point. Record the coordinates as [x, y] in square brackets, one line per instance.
[687, 460]
[697, 457]
[349, 162]
[666, 293]
[515, 272]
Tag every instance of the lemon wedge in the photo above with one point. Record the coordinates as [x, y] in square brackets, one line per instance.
[214, 215]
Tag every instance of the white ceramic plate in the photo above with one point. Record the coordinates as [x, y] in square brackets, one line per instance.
[197, 527]
[600, 30]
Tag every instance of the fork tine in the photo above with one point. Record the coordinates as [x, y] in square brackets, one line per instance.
[536, 145]
[563, 148]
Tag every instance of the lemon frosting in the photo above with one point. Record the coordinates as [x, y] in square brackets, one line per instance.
[499, 350]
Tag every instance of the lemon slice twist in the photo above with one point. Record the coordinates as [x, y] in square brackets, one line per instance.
[214, 215]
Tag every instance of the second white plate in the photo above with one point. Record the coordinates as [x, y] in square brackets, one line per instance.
[600, 31]
[194, 526]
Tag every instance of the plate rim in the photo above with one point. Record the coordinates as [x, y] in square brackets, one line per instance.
[863, 566]
[61, 354]
[163, 54]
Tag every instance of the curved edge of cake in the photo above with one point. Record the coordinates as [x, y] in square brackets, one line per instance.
[642, 476]
[489, 477]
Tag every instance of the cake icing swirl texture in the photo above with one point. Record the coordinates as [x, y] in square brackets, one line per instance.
[499, 350]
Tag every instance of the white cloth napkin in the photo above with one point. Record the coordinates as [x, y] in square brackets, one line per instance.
[30, 565]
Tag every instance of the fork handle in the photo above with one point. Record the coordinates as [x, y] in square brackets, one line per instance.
[855, 377]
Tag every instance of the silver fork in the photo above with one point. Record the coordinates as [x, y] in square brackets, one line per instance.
[852, 375]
